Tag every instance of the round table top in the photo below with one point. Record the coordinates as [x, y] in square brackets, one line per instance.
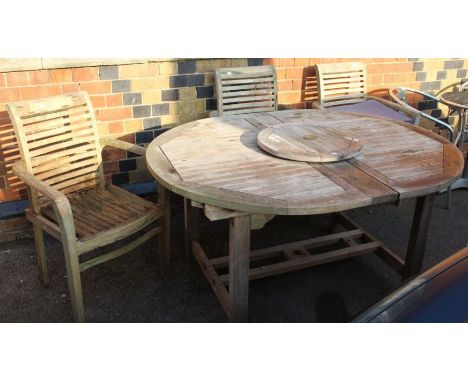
[307, 142]
[217, 161]
[457, 99]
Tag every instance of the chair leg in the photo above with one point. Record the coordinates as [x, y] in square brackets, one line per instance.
[165, 234]
[74, 282]
[41, 255]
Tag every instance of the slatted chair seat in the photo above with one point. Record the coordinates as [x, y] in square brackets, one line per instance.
[61, 165]
[97, 211]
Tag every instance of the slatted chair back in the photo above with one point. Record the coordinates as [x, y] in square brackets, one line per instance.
[341, 84]
[58, 142]
[246, 90]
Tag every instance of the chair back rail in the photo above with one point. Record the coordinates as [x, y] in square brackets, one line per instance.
[246, 90]
[341, 84]
[58, 142]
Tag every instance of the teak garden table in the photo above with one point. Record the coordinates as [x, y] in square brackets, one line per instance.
[217, 166]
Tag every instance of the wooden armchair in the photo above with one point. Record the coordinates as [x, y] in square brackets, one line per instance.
[245, 90]
[62, 168]
[343, 87]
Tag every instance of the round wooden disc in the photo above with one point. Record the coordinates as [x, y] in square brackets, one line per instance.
[458, 99]
[308, 143]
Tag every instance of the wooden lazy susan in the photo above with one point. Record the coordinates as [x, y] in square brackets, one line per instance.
[302, 141]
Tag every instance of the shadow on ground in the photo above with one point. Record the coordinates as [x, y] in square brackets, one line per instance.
[129, 289]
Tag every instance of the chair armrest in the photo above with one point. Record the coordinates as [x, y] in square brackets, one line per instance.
[59, 200]
[413, 113]
[19, 168]
[317, 105]
[117, 143]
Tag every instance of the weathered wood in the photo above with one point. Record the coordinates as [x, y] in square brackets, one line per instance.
[345, 84]
[383, 252]
[216, 284]
[246, 90]
[218, 165]
[457, 99]
[213, 213]
[418, 236]
[120, 251]
[61, 165]
[239, 249]
[308, 143]
[341, 83]
[192, 229]
[164, 202]
[14, 228]
[41, 255]
[301, 262]
[265, 253]
[218, 162]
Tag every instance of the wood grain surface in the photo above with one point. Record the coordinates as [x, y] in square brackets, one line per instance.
[217, 161]
[457, 99]
[308, 143]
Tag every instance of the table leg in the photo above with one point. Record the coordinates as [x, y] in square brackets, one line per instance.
[239, 250]
[418, 237]
[164, 202]
[192, 230]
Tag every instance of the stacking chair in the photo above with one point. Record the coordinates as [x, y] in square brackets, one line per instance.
[343, 87]
[401, 96]
[62, 168]
[246, 90]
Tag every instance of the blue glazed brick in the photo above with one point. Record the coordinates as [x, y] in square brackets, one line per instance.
[461, 73]
[170, 95]
[211, 104]
[425, 86]
[186, 67]
[141, 111]
[127, 165]
[435, 85]
[453, 64]
[205, 91]
[159, 131]
[442, 75]
[431, 105]
[422, 105]
[421, 76]
[255, 61]
[121, 86]
[132, 98]
[108, 72]
[151, 123]
[195, 79]
[143, 137]
[417, 66]
[121, 178]
[132, 155]
[436, 113]
[177, 81]
[160, 109]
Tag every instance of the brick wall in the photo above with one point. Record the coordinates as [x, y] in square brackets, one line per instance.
[298, 88]
[138, 101]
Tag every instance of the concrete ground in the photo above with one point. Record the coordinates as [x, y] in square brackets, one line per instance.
[129, 289]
